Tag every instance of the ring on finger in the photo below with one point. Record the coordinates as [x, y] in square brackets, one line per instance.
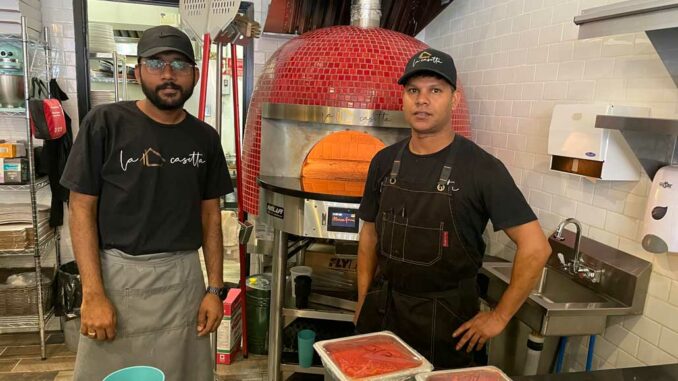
[91, 333]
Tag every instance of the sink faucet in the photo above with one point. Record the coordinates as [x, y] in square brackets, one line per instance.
[576, 266]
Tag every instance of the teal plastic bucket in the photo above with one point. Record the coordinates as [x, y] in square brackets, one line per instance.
[136, 373]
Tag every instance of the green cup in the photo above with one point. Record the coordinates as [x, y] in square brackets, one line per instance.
[136, 373]
[306, 338]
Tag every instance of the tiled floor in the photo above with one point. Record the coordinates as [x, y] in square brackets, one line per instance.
[20, 358]
[20, 361]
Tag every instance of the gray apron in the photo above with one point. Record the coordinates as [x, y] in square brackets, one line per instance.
[156, 298]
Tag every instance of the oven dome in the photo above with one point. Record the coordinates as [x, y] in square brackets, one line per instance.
[341, 66]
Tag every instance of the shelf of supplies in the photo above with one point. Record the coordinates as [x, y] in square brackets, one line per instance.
[15, 112]
[319, 314]
[45, 247]
[295, 368]
[17, 38]
[40, 183]
[111, 80]
[12, 324]
[108, 56]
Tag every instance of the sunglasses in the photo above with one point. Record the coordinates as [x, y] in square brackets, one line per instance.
[157, 66]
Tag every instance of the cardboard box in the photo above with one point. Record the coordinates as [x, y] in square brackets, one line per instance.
[11, 150]
[320, 261]
[229, 333]
[14, 171]
[332, 272]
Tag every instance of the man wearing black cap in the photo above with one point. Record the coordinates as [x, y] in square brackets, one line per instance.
[145, 179]
[426, 204]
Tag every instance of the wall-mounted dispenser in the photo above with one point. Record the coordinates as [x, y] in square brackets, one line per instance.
[577, 147]
[660, 232]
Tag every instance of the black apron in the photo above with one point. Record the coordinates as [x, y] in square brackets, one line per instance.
[425, 286]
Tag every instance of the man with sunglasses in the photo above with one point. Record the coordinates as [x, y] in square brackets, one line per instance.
[145, 179]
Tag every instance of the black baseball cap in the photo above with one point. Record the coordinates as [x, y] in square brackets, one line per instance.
[431, 61]
[165, 38]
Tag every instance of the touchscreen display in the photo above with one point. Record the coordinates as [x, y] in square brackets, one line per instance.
[342, 220]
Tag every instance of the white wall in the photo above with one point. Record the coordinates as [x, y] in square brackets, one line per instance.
[517, 59]
[130, 15]
[265, 46]
[10, 17]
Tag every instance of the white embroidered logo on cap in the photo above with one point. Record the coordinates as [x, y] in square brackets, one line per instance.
[426, 57]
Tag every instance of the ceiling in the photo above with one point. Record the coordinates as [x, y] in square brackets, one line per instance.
[301, 16]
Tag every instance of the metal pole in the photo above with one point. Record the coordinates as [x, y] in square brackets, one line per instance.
[220, 83]
[213, 340]
[116, 78]
[47, 68]
[31, 176]
[277, 299]
[124, 78]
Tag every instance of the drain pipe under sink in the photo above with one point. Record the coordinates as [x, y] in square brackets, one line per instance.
[561, 355]
[535, 345]
[589, 356]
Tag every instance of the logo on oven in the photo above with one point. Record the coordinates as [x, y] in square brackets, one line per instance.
[665, 184]
[275, 211]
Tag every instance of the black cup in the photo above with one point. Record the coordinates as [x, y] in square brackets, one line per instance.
[302, 288]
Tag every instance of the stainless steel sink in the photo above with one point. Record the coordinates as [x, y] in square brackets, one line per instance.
[559, 304]
[570, 302]
[568, 299]
[557, 288]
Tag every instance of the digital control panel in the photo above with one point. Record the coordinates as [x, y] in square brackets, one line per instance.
[342, 220]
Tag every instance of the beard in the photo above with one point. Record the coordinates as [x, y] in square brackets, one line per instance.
[161, 103]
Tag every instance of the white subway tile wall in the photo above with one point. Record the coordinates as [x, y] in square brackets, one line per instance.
[265, 46]
[516, 60]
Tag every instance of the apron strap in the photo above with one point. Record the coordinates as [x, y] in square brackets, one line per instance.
[444, 180]
[395, 169]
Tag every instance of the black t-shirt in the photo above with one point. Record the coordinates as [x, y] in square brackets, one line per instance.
[150, 178]
[486, 189]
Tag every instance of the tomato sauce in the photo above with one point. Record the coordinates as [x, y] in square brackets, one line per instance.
[371, 356]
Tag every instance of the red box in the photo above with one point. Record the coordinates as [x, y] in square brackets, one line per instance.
[229, 333]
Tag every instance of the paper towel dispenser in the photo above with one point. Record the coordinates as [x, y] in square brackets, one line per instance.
[577, 147]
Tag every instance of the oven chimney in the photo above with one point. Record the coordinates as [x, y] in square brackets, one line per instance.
[366, 13]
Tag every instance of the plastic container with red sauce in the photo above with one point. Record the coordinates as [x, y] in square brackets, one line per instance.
[373, 356]
[482, 373]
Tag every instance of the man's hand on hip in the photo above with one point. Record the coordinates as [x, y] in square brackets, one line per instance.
[97, 318]
[477, 331]
[210, 313]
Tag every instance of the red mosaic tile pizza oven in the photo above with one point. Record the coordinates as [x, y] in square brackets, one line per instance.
[342, 66]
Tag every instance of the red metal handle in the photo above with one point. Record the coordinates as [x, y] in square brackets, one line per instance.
[241, 211]
[206, 46]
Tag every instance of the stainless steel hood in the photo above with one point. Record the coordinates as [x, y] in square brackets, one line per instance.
[654, 141]
[658, 18]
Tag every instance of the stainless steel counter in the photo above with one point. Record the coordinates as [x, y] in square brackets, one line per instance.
[647, 373]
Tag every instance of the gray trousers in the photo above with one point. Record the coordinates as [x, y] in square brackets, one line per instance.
[156, 298]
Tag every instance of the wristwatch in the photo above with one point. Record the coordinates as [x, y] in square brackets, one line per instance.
[220, 292]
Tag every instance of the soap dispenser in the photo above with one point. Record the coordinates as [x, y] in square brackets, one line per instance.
[660, 226]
